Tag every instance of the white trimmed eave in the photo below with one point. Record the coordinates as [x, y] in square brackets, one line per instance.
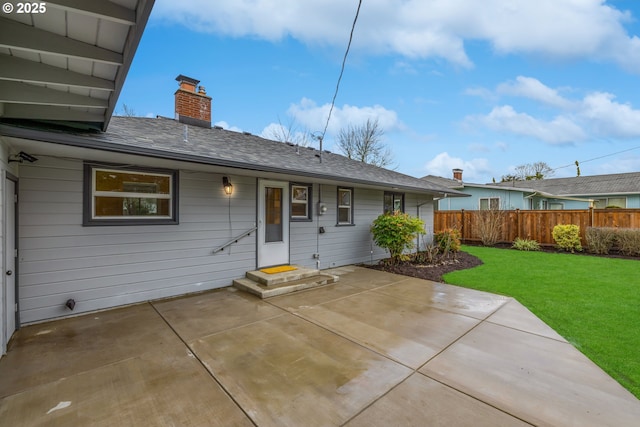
[69, 63]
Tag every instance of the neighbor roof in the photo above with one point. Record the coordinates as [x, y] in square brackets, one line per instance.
[621, 183]
[170, 139]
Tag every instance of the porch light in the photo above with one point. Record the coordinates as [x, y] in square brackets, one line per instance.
[228, 188]
[21, 157]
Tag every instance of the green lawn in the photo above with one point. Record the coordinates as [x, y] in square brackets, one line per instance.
[593, 302]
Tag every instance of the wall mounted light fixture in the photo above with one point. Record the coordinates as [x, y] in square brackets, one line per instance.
[21, 157]
[228, 188]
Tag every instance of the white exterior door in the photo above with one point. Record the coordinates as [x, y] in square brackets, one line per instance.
[9, 288]
[273, 223]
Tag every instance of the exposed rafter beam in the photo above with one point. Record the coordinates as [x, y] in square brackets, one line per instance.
[47, 112]
[14, 35]
[23, 93]
[18, 69]
[98, 9]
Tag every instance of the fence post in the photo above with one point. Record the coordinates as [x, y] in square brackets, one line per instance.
[591, 216]
[518, 224]
[462, 224]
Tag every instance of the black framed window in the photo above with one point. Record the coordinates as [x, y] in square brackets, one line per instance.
[129, 196]
[393, 202]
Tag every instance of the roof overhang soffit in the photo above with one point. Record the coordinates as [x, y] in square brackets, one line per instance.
[46, 74]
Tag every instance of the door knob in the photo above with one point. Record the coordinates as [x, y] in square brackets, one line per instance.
[9, 272]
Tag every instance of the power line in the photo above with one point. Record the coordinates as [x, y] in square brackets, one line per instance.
[597, 158]
[344, 61]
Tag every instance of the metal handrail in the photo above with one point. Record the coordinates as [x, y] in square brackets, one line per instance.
[234, 240]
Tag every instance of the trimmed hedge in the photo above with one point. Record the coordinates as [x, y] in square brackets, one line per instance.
[601, 240]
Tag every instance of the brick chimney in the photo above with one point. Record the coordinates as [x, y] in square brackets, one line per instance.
[192, 107]
[457, 175]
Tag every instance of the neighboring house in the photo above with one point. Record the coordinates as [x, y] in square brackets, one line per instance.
[145, 209]
[483, 196]
[598, 191]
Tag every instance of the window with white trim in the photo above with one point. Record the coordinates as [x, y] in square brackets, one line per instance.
[345, 206]
[129, 196]
[301, 202]
[487, 203]
[610, 202]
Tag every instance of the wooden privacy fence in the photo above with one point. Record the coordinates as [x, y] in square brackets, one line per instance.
[537, 224]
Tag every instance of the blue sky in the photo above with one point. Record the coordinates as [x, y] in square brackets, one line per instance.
[483, 86]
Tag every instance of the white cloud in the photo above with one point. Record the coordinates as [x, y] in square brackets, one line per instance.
[596, 115]
[443, 164]
[314, 117]
[481, 92]
[573, 29]
[505, 119]
[226, 126]
[609, 118]
[628, 163]
[531, 88]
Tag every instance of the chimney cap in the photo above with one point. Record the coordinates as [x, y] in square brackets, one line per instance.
[182, 78]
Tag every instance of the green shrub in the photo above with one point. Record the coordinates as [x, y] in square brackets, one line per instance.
[600, 240]
[448, 240]
[567, 237]
[396, 232]
[629, 241]
[525, 244]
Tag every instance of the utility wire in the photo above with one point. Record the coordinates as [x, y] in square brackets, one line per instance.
[597, 158]
[344, 61]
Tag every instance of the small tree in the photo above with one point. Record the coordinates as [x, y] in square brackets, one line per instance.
[530, 172]
[364, 143]
[396, 232]
[490, 222]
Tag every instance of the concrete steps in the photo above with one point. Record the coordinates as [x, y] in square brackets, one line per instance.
[270, 285]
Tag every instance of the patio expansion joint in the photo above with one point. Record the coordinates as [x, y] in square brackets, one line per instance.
[203, 365]
[488, 320]
[416, 371]
[480, 322]
[475, 398]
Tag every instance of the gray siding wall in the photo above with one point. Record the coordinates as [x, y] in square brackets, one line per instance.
[107, 266]
[343, 245]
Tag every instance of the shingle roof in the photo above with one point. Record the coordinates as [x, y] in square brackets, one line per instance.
[582, 185]
[168, 138]
[444, 182]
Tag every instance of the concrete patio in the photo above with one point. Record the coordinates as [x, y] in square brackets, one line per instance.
[374, 349]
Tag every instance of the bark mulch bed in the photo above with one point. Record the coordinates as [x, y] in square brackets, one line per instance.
[433, 272]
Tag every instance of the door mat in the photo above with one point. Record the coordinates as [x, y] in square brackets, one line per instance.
[280, 269]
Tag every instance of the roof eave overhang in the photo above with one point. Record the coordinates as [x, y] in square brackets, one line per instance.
[556, 196]
[133, 41]
[27, 133]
